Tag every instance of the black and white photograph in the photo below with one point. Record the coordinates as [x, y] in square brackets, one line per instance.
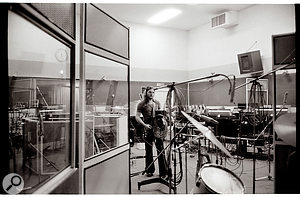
[149, 97]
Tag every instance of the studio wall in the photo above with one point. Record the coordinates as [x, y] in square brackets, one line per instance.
[172, 55]
[215, 50]
[200, 93]
[209, 51]
[157, 54]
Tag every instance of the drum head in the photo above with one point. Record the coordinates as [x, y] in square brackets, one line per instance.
[221, 180]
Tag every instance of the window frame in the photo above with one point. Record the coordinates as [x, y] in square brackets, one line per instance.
[33, 16]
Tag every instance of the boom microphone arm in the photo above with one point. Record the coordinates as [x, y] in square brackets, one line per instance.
[231, 88]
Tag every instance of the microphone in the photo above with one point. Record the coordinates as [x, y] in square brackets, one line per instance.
[208, 119]
[232, 90]
[285, 97]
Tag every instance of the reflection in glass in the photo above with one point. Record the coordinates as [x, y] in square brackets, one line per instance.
[39, 103]
[106, 105]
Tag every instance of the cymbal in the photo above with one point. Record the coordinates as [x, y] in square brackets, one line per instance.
[207, 133]
[285, 127]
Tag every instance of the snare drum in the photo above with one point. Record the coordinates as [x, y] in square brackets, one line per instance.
[218, 180]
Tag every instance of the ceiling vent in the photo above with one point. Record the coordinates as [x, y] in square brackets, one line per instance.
[224, 20]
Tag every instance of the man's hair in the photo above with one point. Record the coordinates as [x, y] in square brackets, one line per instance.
[147, 89]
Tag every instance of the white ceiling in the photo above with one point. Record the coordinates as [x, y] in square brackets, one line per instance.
[192, 15]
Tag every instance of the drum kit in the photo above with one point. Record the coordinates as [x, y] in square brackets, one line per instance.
[216, 179]
[213, 178]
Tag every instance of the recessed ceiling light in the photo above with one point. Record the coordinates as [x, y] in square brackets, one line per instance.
[164, 16]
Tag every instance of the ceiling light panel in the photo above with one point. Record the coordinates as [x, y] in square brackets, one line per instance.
[164, 15]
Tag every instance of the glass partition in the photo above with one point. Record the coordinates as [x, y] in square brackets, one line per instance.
[39, 103]
[106, 105]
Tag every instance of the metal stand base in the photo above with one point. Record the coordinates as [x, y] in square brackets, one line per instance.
[154, 180]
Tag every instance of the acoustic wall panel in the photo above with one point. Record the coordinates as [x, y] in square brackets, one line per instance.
[114, 36]
[110, 176]
[61, 14]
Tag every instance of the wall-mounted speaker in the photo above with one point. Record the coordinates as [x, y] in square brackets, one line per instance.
[284, 50]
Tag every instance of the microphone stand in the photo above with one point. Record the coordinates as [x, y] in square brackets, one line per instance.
[37, 87]
[255, 83]
[172, 89]
[269, 162]
[186, 147]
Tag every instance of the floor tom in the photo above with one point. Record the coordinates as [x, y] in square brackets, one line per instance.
[216, 179]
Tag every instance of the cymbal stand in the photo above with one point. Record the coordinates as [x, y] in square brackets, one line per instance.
[217, 153]
[200, 162]
[199, 158]
[214, 146]
[186, 146]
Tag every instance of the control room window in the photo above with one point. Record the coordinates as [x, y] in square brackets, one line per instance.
[39, 103]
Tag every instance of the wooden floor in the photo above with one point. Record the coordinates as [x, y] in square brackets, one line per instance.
[242, 167]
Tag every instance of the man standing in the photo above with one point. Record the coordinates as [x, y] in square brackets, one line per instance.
[147, 108]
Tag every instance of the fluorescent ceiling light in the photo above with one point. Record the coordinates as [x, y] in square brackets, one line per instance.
[164, 16]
